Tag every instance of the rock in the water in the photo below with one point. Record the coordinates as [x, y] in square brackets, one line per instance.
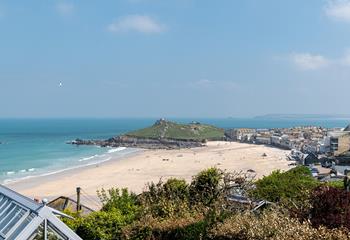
[147, 143]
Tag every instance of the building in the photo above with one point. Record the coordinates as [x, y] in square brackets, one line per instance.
[262, 140]
[339, 142]
[22, 218]
[240, 134]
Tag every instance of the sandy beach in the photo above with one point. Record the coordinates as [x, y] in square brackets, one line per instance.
[145, 166]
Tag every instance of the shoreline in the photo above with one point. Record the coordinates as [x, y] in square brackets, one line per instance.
[70, 170]
[134, 171]
[112, 157]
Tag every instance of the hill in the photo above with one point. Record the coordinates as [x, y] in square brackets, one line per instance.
[163, 129]
[302, 116]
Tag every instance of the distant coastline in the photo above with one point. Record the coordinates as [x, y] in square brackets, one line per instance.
[303, 116]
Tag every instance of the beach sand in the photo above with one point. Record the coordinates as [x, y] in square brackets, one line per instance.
[135, 171]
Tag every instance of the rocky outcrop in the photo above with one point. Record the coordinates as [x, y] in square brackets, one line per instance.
[146, 143]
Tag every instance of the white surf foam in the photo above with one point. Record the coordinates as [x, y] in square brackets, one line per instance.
[116, 149]
[88, 158]
[98, 159]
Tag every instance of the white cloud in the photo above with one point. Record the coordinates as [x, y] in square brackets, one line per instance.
[307, 61]
[65, 8]
[138, 23]
[339, 10]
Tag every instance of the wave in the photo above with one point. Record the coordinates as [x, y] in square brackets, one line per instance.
[88, 158]
[20, 171]
[113, 150]
[118, 149]
[94, 160]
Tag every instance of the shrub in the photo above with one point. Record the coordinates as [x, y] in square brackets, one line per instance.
[100, 225]
[294, 185]
[166, 199]
[122, 200]
[337, 184]
[271, 224]
[330, 207]
[184, 228]
[176, 210]
[176, 188]
[205, 187]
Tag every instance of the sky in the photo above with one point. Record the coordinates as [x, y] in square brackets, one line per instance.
[173, 58]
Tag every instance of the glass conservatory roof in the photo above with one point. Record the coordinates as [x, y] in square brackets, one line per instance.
[21, 217]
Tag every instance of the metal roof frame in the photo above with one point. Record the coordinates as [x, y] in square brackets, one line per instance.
[20, 217]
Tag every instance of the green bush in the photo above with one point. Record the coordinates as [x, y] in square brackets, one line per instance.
[183, 228]
[99, 225]
[294, 185]
[205, 187]
[176, 188]
[166, 199]
[122, 200]
[336, 184]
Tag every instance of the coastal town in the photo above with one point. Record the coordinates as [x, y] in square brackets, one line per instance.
[309, 145]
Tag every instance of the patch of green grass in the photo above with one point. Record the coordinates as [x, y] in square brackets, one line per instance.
[176, 131]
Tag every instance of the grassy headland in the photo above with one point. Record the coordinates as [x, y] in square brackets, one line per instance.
[163, 129]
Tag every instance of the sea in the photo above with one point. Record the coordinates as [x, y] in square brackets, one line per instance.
[38, 147]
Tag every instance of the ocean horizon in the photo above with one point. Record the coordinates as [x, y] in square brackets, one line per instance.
[36, 147]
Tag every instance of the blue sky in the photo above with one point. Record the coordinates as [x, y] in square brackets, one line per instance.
[173, 58]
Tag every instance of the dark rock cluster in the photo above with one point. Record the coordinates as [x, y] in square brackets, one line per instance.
[146, 143]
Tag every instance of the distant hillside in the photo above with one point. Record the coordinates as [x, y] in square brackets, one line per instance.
[302, 116]
[163, 129]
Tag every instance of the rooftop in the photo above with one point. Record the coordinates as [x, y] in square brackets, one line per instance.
[23, 218]
[347, 129]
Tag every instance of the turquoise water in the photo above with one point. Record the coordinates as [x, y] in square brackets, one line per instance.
[38, 146]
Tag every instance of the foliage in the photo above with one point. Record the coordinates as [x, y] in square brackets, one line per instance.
[336, 184]
[119, 209]
[176, 188]
[202, 209]
[205, 187]
[166, 199]
[294, 185]
[330, 207]
[188, 227]
[122, 200]
[271, 224]
[101, 225]
[172, 130]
